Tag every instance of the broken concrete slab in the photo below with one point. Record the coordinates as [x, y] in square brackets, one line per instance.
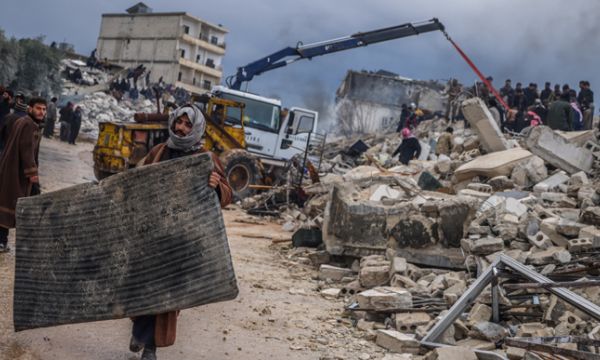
[550, 255]
[480, 118]
[371, 276]
[74, 260]
[578, 138]
[398, 342]
[551, 183]
[554, 149]
[499, 163]
[483, 246]
[333, 272]
[384, 297]
[529, 172]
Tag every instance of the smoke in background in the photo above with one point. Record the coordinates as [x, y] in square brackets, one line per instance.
[527, 41]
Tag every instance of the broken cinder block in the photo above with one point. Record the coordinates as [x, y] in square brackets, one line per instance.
[408, 322]
[578, 245]
[592, 233]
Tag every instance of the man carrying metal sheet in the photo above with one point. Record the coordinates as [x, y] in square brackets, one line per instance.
[186, 128]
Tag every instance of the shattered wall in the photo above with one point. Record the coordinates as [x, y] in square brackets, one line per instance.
[358, 227]
[368, 102]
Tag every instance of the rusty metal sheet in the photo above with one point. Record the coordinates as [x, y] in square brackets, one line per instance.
[146, 241]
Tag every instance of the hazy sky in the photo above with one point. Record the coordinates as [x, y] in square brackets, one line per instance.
[527, 41]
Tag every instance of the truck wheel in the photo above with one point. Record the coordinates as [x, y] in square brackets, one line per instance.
[101, 174]
[241, 170]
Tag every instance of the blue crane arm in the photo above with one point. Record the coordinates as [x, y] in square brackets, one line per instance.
[289, 54]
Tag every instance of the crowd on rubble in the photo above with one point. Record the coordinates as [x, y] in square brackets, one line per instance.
[560, 108]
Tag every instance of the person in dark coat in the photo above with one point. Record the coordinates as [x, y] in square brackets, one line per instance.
[6, 103]
[404, 114]
[75, 125]
[519, 99]
[545, 95]
[560, 115]
[507, 92]
[6, 125]
[19, 166]
[186, 128]
[409, 148]
[531, 94]
[66, 117]
[586, 103]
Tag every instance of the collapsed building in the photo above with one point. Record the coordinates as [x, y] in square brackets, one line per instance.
[368, 102]
[470, 255]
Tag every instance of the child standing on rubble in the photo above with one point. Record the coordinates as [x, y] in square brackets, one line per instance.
[409, 148]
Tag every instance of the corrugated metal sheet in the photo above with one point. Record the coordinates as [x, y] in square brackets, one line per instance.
[146, 241]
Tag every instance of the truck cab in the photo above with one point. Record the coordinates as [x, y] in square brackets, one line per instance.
[272, 133]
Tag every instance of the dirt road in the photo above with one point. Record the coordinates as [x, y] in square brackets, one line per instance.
[278, 314]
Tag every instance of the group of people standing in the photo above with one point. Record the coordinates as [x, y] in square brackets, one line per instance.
[70, 123]
[561, 108]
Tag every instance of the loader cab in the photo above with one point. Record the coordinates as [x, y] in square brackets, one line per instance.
[272, 133]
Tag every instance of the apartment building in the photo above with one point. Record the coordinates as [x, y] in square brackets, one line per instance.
[180, 48]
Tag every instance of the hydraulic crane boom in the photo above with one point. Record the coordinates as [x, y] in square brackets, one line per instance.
[289, 55]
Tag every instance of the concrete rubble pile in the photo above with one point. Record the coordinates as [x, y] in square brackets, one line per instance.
[99, 107]
[403, 243]
[89, 76]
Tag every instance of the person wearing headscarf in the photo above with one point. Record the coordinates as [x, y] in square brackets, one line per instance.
[186, 129]
[409, 148]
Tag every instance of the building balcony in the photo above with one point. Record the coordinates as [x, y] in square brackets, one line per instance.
[209, 70]
[218, 49]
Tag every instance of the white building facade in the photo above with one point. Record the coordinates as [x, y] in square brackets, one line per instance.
[179, 48]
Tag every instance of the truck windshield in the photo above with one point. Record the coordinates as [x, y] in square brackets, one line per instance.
[257, 114]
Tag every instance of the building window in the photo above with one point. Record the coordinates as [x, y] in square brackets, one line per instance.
[179, 76]
[182, 53]
[214, 40]
[198, 59]
[210, 63]
[194, 81]
[207, 84]
[186, 29]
